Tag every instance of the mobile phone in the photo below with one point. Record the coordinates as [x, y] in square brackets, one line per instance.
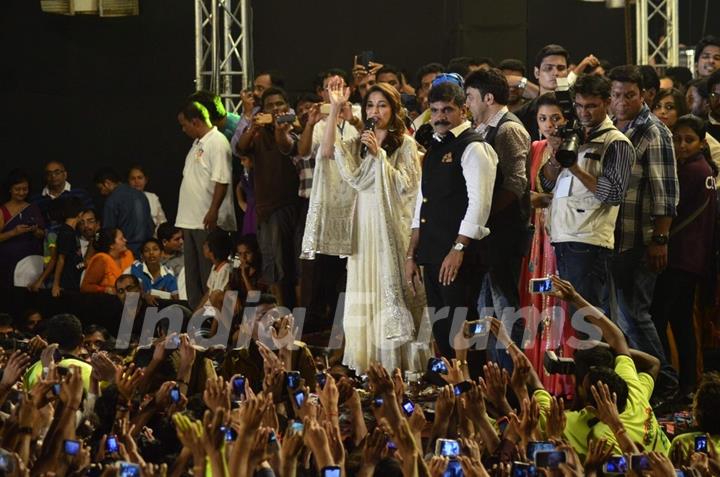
[299, 397]
[408, 407]
[56, 389]
[330, 471]
[436, 365]
[285, 118]
[453, 469]
[535, 446]
[128, 469]
[230, 433]
[263, 119]
[175, 394]
[523, 469]
[365, 57]
[378, 401]
[447, 448]
[238, 386]
[391, 445]
[321, 379]
[273, 442]
[549, 459]
[701, 444]
[175, 340]
[297, 426]
[639, 462]
[7, 463]
[111, 445]
[71, 447]
[540, 285]
[293, 379]
[477, 328]
[616, 464]
[462, 387]
[502, 424]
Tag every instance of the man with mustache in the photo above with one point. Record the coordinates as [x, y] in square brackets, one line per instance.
[451, 212]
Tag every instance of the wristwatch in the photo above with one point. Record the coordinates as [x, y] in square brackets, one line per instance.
[459, 246]
[659, 239]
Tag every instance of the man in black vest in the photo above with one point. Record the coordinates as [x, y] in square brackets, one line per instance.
[451, 213]
[502, 252]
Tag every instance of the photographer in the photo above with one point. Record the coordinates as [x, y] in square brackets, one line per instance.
[273, 143]
[587, 193]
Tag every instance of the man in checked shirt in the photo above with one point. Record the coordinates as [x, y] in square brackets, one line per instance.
[643, 224]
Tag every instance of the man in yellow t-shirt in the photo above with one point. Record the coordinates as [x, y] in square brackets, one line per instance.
[66, 331]
[633, 388]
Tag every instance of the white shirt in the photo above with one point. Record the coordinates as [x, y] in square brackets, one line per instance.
[47, 192]
[208, 162]
[345, 130]
[714, 147]
[84, 244]
[156, 210]
[479, 164]
[219, 279]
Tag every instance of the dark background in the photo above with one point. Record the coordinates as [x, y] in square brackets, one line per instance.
[105, 91]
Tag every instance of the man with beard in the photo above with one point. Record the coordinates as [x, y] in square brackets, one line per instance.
[451, 213]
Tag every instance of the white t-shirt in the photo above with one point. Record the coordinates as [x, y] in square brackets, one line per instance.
[219, 278]
[156, 210]
[208, 162]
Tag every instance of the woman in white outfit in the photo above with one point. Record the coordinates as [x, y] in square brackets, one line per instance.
[137, 179]
[362, 206]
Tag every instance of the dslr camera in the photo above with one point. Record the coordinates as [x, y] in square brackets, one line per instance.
[572, 132]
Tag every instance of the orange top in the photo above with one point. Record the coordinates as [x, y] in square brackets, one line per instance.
[102, 271]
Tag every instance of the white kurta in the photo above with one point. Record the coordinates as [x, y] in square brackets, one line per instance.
[381, 318]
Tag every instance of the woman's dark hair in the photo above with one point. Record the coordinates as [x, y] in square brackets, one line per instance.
[139, 168]
[548, 99]
[678, 98]
[705, 403]
[220, 244]
[105, 239]
[14, 177]
[396, 128]
[699, 127]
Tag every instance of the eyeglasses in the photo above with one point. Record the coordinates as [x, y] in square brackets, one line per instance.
[448, 77]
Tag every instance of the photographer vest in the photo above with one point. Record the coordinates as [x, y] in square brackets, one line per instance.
[576, 215]
[445, 197]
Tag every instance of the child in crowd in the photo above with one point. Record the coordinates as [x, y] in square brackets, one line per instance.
[157, 281]
[217, 248]
[70, 264]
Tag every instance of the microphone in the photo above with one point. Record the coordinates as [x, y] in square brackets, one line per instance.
[369, 124]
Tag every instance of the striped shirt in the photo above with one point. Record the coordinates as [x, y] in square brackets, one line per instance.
[615, 176]
[653, 190]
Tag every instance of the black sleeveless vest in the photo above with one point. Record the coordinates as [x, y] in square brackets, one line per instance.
[445, 198]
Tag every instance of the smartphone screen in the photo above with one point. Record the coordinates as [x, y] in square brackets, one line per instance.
[111, 445]
[540, 285]
[71, 447]
[549, 460]
[436, 365]
[701, 444]
[293, 379]
[299, 397]
[536, 446]
[408, 407]
[175, 394]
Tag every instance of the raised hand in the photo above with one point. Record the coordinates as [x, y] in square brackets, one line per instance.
[127, 380]
[598, 453]
[14, 369]
[338, 93]
[217, 394]
[556, 419]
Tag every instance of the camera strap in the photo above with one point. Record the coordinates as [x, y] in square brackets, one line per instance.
[597, 134]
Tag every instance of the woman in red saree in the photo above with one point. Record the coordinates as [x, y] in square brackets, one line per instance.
[548, 321]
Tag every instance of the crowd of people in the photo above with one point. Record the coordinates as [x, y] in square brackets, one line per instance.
[513, 277]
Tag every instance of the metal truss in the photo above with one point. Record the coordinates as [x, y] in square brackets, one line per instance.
[662, 16]
[223, 58]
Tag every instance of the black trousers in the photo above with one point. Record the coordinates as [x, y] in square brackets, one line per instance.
[460, 296]
[673, 303]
